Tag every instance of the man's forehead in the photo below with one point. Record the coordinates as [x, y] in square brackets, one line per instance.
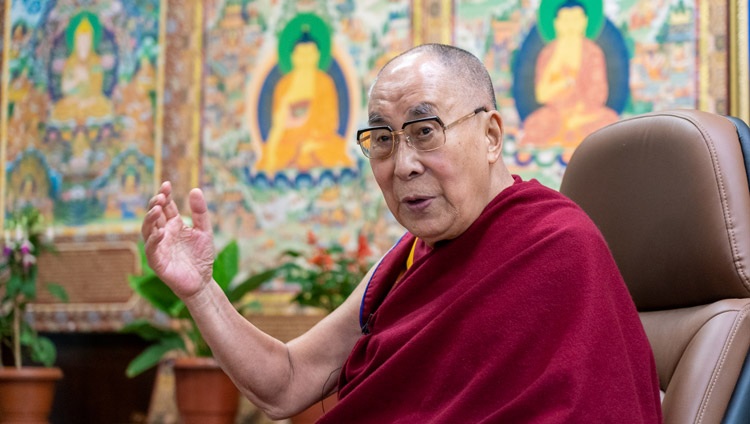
[411, 86]
[378, 115]
[406, 62]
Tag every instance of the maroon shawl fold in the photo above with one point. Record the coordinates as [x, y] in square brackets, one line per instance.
[524, 318]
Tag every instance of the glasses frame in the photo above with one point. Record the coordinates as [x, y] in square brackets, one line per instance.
[396, 133]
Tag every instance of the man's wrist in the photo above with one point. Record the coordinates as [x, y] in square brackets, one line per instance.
[201, 297]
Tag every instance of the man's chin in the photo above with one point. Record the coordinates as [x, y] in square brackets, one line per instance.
[428, 235]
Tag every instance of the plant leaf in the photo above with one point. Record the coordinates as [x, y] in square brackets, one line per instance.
[250, 284]
[42, 350]
[226, 265]
[200, 346]
[58, 291]
[179, 310]
[147, 330]
[292, 253]
[155, 291]
[28, 284]
[145, 269]
[153, 354]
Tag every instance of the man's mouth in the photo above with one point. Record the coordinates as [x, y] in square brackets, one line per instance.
[416, 203]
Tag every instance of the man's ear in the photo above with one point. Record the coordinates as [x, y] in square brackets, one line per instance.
[494, 137]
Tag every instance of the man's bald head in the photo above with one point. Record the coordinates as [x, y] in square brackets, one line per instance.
[463, 66]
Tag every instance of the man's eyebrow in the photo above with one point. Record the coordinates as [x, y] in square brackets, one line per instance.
[376, 119]
[417, 111]
[421, 109]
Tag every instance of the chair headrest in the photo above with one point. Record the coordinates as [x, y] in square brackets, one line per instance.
[669, 191]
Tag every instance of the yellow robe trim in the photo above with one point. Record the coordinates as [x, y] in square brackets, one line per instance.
[410, 259]
[409, 263]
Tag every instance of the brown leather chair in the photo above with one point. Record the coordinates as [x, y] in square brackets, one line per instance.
[669, 191]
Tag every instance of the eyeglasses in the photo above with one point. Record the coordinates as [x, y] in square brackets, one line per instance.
[423, 134]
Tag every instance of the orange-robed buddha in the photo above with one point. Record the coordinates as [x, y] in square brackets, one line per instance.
[570, 83]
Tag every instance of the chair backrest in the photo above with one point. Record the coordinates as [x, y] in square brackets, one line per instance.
[670, 193]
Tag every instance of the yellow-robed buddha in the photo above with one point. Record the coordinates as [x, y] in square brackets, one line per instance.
[305, 118]
[82, 81]
[571, 84]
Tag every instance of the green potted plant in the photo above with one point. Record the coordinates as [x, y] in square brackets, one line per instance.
[26, 392]
[198, 378]
[326, 274]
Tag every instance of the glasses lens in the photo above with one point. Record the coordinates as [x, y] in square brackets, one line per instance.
[376, 143]
[425, 135]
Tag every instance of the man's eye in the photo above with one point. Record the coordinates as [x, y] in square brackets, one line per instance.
[426, 130]
[383, 139]
[423, 132]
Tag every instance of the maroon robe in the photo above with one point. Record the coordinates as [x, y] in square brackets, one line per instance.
[524, 318]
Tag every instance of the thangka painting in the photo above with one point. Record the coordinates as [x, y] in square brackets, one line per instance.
[284, 92]
[81, 137]
[565, 68]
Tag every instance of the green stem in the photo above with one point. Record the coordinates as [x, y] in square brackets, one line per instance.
[17, 336]
[188, 338]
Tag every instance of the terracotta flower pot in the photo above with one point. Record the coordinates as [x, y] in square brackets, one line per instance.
[26, 394]
[205, 394]
[313, 413]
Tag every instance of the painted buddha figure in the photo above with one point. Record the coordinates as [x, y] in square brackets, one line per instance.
[570, 84]
[304, 117]
[131, 198]
[29, 185]
[82, 80]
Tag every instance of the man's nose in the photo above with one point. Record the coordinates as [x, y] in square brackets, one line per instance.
[406, 159]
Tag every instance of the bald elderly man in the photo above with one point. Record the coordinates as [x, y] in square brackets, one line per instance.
[501, 304]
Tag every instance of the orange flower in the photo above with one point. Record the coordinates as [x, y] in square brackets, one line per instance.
[312, 240]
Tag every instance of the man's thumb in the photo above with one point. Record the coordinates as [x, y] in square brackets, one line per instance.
[199, 210]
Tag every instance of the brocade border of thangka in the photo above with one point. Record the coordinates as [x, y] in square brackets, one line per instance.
[713, 57]
[432, 21]
[182, 95]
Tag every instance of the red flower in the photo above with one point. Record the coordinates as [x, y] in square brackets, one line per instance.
[363, 248]
[322, 259]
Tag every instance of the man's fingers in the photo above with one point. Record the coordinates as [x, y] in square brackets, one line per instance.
[162, 196]
[170, 209]
[158, 199]
[169, 206]
[154, 220]
[199, 210]
[166, 188]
